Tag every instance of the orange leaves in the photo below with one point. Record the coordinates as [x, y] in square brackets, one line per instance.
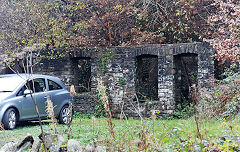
[225, 26]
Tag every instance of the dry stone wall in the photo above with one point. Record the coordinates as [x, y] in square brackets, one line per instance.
[116, 66]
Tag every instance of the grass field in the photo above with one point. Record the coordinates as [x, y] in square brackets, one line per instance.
[164, 132]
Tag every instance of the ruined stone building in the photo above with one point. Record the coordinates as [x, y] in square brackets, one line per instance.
[139, 79]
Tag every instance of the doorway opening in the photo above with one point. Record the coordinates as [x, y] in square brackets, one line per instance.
[185, 75]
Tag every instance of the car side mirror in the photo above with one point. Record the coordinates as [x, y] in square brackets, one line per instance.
[27, 91]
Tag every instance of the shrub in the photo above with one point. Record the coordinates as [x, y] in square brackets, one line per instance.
[224, 99]
[184, 110]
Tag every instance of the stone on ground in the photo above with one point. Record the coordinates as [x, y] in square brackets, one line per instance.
[74, 146]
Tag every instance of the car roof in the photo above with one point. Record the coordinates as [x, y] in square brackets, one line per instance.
[29, 76]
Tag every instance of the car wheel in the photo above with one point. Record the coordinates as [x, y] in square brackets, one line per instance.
[10, 119]
[64, 115]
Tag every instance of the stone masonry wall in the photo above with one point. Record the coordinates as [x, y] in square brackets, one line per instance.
[116, 66]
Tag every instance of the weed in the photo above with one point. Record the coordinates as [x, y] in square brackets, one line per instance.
[68, 129]
[184, 110]
[50, 112]
[104, 98]
[223, 101]
[121, 81]
[104, 61]
[100, 110]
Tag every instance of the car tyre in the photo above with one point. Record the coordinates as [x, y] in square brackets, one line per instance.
[10, 119]
[64, 113]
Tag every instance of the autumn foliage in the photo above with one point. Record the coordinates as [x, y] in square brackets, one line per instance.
[224, 29]
[77, 23]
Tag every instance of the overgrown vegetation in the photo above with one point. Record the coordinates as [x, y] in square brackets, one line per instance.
[77, 23]
[223, 101]
[178, 134]
[214, 125]
[202, 132]
[184, 110]
[100, 110]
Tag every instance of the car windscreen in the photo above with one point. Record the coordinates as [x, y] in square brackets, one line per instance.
[8, 84]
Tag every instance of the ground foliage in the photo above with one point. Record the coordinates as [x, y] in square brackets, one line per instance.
[223, 100]
[202, 132]
[149, 134]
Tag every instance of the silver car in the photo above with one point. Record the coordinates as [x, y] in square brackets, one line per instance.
[16, 103]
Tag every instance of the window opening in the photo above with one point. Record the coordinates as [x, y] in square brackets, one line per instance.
[147, 77]
[82, 74]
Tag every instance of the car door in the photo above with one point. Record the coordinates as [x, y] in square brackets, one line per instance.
[28, 108]
[56, 93]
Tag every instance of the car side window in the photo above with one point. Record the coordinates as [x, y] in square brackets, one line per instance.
[53, 85]
[39, 85]
[20, 92]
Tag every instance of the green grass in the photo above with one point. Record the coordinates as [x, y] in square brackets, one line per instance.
[165, 132]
